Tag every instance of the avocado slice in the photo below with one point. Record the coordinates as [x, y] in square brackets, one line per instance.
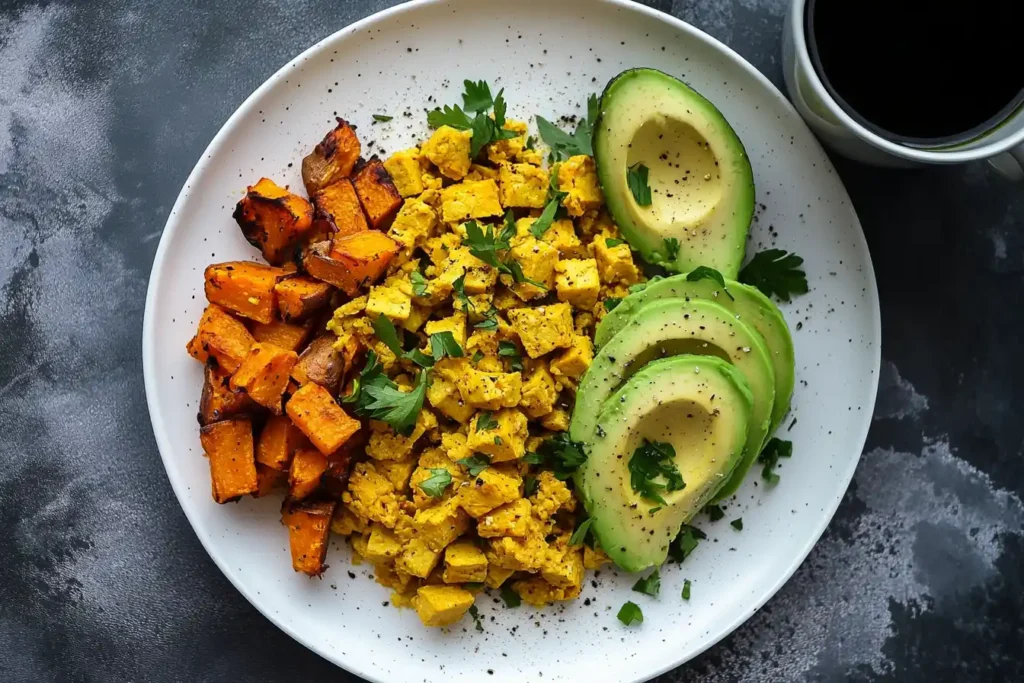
[673, 327]
[752, 307]
[702, 186]
[702, 406]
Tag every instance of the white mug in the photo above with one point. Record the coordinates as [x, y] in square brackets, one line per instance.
[1002, 145]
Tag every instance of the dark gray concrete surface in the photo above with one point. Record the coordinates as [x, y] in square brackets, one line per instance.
[104, 108]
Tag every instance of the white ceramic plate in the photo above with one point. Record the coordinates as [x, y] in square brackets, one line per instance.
[548, 56]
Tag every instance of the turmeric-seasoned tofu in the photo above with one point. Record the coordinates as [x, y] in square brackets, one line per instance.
[455, 323]
[539, 393]
[470, 199]
[443, 395]
[371, 496]
[389, 300]
[491, 488]
[448, 149]
[556, 421]
[614, 264]
[543, 329]
[538, 260]
[510, 149]
[406, 169]
[575, 360]
[464, 562]
[440, 524]
[563, 566]
[417, 559]
[496, 576]
[441, 605]
[511, 519]
[489, 390]
[382, 545]
[562, 236]
[578, 282]
[377, 193]
[525, 554]
[523, 186]
[386, 444]
[506, 440]
[537, 592]
[552, 495]
[414, 224]
[577, 176]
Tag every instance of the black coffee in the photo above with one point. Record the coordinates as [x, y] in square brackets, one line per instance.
[921, 70]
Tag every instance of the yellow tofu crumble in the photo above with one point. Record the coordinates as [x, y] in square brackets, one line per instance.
[461, 502]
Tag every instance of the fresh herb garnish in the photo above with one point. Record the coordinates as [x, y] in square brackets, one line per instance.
[671, 248]
[383, 118]
[530, 143]
[630, 614]
[485, 422]
[562, 144]
[477, 356]
[562, 455]
[453, 117]
[486, 245]
[656, 508]
[387, 333]
[737, 524]
[775, 272]
[475, 613]
[508, 349]
[702, 272]
[475, 464]
[419, 283]
[685, 543]
[611, 302]
[435, 485]
[612, 242]
[531, 458]
[477, 96]
[488, 324]
[686, 589]
[773, 450]
[389, 404]
[443, 344]
[651, 461]
[636, 178]
[649, 585]
[581, 532]
[715, 512]
[510, 597]
[530, 486]
[459, 285]
[372, 372]
[546, 218]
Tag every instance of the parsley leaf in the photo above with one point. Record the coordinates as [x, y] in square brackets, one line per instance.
[449, 116]
[483, 132]
[671, 248]
[419, 283]
[515, 269]
[737, 524]
[443, 344]
[508, 349]
[649, 585]
[475, 613]
[685, 543]
[775, 272]
[715, 512]
[611, 302]
[372, 373]
[531, 458]
[686, 589]
[611, 242]
[703, 272]
[546, 218]
[399, 409]
[475, 464]
[386, 332]
[485, 422]
[477, 96]
[653, 460]
[435, 485]
[510, 597]
[530, 486]
[459, 285]
[581, 532]
[636, 178]
[488, 324]
[484, 245]
[564, 145]
[382, 118]
[562, 455]
[773, 450]
[500, 132]
[630, 614]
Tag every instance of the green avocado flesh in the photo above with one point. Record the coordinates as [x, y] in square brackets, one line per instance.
[702, 186]
[702, 406]
[752, 307]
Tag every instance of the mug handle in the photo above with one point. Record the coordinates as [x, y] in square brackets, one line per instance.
[1010, 163]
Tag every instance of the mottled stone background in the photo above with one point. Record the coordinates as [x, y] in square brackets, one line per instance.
[104, 108]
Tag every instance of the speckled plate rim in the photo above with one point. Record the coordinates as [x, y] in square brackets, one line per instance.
[149, 332]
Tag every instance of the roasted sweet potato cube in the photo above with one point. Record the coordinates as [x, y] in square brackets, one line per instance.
[339, 464]
[264, 374]
[377, 193]
[332, 159]
[219, 401]
[278, 442]
[273, 219]
[222, 337]
[268, 480]
[339, 203]
[309, 525]
[298, 297]
[244, 287]
[320, 363]
[365, 257]
[304, 474]
[288, 336]
[321, 419]
[228, 445]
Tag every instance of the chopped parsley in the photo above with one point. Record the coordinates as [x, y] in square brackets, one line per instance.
[508, 349]
[377, 397]
[530, 486]
[775, 272]
[685, 543]
[475, 613]
[486, 245]
[652, 461]
[531, 458]
[486, 422]
[510, 597]
[562, 144]
[612, 242]
[452, 117]
[611, 302]
[649, 585]
[419, 283]
[477, 99]
[383, 118]
[387, 333]
[546, 218]
[636, 178]
[773, 450]
[477, 96]
[459, 285]
[562, 455]
[702, 272]
[477, 356]
[435, 485]
[686, 589]
[580, 534]
[671, 248]
[737, 524]
[714, 512]
[630, 614]
[475, 464]
[443, 344]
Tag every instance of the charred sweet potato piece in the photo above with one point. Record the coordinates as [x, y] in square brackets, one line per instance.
[304, 474]
[320, 363]
[321, 419]
[228, 445]
[273, 219]
[268, 480]
[278, 442]
[264, 374]
[339, 203]
[377, 193]
[309, 524]
[332, 159]
[286, 335]
[219, 401]
[298, 297]
[245, 288]
[339, 464]
[222, 337]
[353, 261]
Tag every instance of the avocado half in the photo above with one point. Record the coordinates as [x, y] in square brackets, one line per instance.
[702, 186]
[748, 303]
[700, 405]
